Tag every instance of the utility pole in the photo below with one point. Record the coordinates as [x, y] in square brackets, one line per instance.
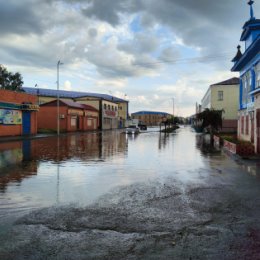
[173, 106]
[58, 97]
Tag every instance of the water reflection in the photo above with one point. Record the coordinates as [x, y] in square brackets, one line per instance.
[78, 168]
[21, 159]
[163, 138]
[203, 143]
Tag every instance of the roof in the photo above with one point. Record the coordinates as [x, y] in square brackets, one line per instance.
[238, 55]
[88, 107]
[70, 94]
[251, 25]
[251, 52]
[231, 81]
[150, 113]
[72, 104]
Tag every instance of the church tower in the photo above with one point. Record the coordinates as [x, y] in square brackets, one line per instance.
[248, 65]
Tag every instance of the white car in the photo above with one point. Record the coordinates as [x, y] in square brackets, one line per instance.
[132, 129]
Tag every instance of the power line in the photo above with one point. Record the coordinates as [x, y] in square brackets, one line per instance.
[152, 65]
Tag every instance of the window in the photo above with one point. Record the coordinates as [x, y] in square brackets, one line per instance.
[105, 106]
[247, 87]
[108, 107]
[73, 121]
[242, 125]
[247, 125]
[257, 75]
[220, 95]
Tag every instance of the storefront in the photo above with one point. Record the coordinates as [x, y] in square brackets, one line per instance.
[73, 116]
[109, 118]
[18, 113]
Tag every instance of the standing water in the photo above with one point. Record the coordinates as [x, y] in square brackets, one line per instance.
[84, 169]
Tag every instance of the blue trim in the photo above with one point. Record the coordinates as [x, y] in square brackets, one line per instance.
[249, 56]
[255, 91]
[10, 105]
[70, 94]
[240, 93]
[151, 113]
[253, 83]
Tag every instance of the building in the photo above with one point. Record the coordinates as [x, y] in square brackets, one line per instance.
[73, 116]
[108, 111]
[18, 113]
[113, 111]
[248, 65]
[224, 96]
[150, 118]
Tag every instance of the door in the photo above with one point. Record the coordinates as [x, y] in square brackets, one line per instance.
[252, 130]
[26, 122]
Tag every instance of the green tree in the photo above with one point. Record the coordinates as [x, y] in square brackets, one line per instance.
[211, 119]
[9, 80]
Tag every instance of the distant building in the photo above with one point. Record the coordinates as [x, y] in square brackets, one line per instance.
[113, 111]
[224, 95]
[150, 118]
[248, 64]
[18, 113]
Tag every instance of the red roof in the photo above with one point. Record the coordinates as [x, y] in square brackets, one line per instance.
[88, 107]
[72, 104]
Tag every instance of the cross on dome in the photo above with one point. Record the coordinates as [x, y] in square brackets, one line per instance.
[250, 2]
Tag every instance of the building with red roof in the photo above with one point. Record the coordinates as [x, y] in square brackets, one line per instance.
[73, 116]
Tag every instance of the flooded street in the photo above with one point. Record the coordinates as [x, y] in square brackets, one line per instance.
[109, 195]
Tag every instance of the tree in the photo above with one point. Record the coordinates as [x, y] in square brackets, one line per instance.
[211, 119]
[9, 80]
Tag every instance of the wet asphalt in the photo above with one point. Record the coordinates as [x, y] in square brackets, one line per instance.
[212, 214]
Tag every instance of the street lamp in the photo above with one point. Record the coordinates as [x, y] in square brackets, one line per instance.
[58, 98]
[173, 106]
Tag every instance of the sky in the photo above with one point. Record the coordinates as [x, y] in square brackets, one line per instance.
[159, 55]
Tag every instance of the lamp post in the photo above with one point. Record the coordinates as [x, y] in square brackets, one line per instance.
[173, 106]
[58, 98]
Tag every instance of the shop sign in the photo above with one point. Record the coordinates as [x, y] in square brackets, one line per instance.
[91, 113]
[76, 112]
[29, 107]
[110, 113]
[10, 117]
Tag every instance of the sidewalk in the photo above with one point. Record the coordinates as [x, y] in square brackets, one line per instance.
[4, 139]
[44, 135]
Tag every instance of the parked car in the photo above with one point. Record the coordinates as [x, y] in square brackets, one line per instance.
[132, 129]
[142, 126]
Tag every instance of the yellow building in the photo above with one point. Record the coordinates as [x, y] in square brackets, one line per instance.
[108, 110]
[224, 95]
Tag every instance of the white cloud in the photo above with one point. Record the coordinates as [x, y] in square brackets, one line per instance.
[121, 44]
[67, 85]
[116, 83]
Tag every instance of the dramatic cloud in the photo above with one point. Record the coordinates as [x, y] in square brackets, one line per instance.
[145, 43]
[17, 17]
